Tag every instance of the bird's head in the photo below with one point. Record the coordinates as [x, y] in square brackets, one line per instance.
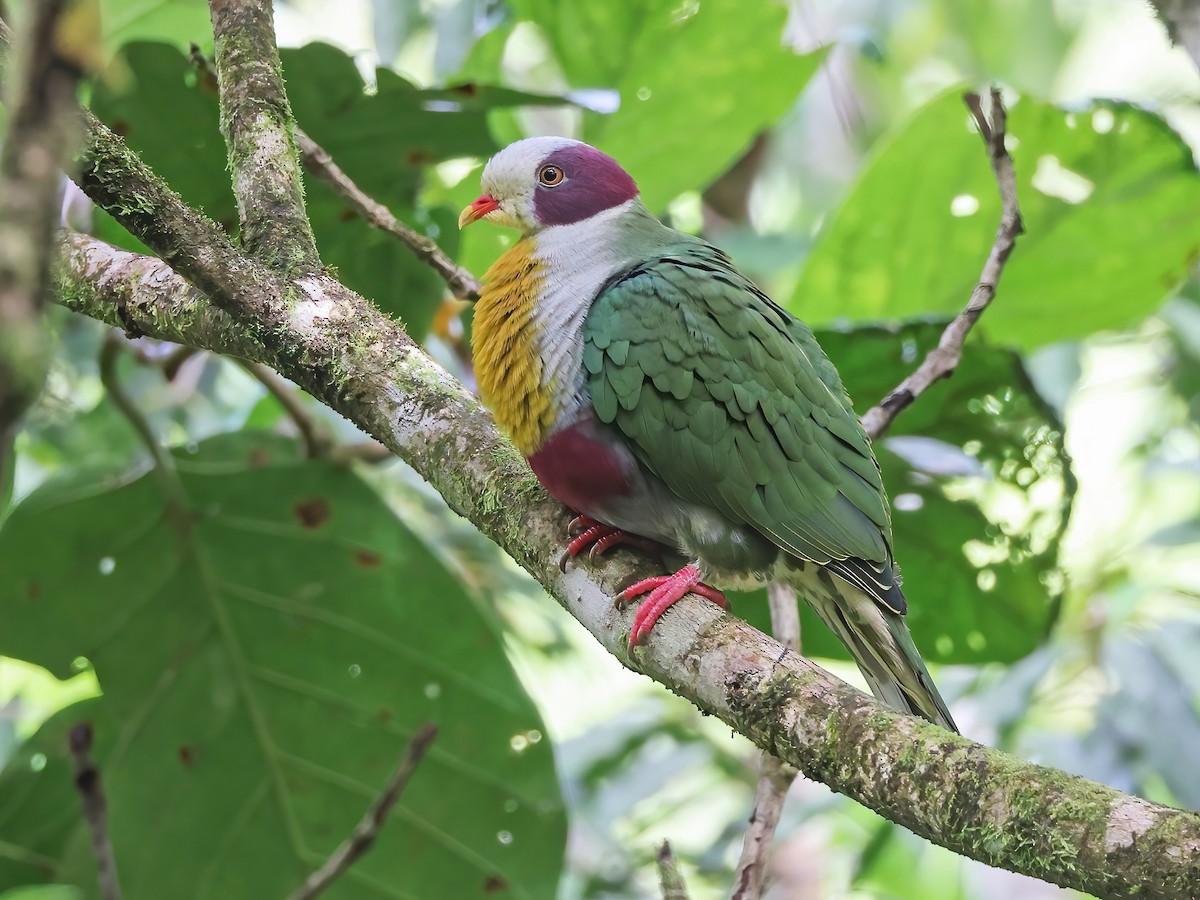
[544, 181]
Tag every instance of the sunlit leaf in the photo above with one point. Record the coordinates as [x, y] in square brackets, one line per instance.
[1110, 198]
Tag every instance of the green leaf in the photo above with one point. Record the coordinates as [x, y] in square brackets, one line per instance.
[697, 81]
[700, 82]
[180, 22]
[980, 497]
[44, 892]
[912, 236]
[265, 657]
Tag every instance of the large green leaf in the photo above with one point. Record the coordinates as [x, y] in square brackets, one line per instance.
[384, 139]
[697, 81]
[265, 656]
[43, 892]
[912, 236]
[980, 497]
[180, 22]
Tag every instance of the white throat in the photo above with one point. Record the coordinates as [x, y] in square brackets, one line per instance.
[577, 259]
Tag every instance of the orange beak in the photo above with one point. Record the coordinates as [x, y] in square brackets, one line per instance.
[479, 208]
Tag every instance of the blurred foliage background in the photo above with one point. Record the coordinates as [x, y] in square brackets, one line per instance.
[253, 677]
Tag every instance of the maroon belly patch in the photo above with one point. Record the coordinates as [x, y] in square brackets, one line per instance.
[582, 469]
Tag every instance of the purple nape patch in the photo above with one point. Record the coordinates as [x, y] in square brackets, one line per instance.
[594, 182]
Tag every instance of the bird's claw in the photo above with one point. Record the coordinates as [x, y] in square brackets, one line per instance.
[586, 531]
[663, 591]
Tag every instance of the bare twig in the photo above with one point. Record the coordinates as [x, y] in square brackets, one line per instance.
[164, 467]
[367, 830]
[95, 809]
[173, 361]
[371, 452]
[257, 122]
[461, 282]
[317, 439]
[670, 878]
[39, 95]
[775, 777]
[943, 359]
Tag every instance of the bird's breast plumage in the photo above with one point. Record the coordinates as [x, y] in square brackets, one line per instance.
[507, 347]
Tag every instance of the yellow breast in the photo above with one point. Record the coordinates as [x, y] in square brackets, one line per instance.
[508, 363]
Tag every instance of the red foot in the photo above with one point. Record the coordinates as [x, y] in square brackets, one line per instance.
[665, 590]
[601, 538]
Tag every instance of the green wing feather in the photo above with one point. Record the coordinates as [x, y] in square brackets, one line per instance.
[729, 399]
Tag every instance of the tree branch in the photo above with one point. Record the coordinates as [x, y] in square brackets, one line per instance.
[317, 441]
[974, 800]
[943, 360]
[257, 122]
[95, 810]
[39, 96]
[368, 828]
[462, 283]
[775, 776]
[670, 878]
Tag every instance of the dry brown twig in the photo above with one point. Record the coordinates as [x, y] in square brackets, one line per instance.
[367, 829]
[462, 283]
[95, 809]
[775, 776]
[943, 360]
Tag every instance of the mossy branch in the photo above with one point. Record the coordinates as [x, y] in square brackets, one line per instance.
[259, 130]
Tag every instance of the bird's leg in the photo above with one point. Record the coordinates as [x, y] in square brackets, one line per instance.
[601, 538]
[664, 590]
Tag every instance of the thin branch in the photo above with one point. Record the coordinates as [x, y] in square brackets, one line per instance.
[257, 122]
[943, 360]
[670, 877]
[971, 799]
[316, 438]
[164, 467]
[368, 828]
[775, 777]
[42, 129]
[462, 283]
[95, 810]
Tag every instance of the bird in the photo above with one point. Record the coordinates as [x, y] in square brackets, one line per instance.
[659, 394]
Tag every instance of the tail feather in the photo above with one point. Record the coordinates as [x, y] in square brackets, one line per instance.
[882, 646]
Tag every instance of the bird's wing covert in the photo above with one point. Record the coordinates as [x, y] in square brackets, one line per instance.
[730, 401]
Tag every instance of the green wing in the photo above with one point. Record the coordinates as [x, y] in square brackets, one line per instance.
[729, 400]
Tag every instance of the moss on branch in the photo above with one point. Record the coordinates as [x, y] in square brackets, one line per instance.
[259, 130]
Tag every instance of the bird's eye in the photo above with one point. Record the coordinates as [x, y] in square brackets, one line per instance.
[550, 176]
